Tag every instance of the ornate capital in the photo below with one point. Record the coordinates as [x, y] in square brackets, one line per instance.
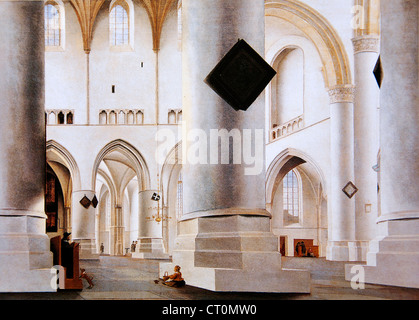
[366, 44]
[342, 94]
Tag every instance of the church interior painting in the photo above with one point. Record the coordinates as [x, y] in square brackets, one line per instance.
[136, 139]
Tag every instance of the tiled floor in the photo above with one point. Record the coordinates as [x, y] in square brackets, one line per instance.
[120, 278]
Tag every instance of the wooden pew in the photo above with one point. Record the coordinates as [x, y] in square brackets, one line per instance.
[69, 260]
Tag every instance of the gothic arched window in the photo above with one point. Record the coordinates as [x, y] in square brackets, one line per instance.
[103, 117]
[140, 117]
[171, 117]
[52, 24]
[61, 118]
[119, 24]
[291, 197]
[70, 118]
[112, 117]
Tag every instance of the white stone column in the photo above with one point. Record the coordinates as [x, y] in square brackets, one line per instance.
[393, 258]
[83, 225]
[366, 147]
[117, 232]
[342, 208]
[167, 226]
[150, 230]
[67, 218]
[225, 230]
[25, 257]
[210, 188]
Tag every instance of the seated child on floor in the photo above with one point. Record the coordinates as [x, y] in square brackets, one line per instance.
[174, 280]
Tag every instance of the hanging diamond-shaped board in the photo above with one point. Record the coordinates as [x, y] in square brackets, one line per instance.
[155, 197]
[378, 72]
[94, 202]
[85, 202]
[350, 189]
[241, 76]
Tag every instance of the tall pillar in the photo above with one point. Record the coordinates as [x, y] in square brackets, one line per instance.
[225, 231]
[83, 225]
[67, 218]
[25, 257]
[393, 258]
[366, 117]
[117, 231]
[341, 246]
[150, 231]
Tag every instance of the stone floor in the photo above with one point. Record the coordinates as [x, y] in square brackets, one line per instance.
[121, 278]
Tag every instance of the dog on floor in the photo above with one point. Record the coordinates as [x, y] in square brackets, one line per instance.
[88, 278]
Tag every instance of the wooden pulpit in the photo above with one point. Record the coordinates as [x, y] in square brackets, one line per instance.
[68, 258]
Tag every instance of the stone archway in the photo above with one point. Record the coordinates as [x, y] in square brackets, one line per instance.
[335, 61]
[118, 164]
[311, 220]
[65, 168]
[168, 184]
[132, 154]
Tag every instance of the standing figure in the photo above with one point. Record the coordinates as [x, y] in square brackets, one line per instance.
[67, 254]
[303, 249]
[298, 249]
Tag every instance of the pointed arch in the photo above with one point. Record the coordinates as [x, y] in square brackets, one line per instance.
[172, 163]
[109, 184]
[54, 23]
[332, 52]
[285, 161]
[66, 159]
[129, 151]
[168, 185]
[105, 216]
[292, 193]
[121, 23]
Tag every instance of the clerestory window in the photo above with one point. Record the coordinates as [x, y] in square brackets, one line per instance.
[52, 24]
[119, 25]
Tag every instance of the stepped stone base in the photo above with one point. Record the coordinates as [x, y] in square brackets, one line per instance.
[149, 248]
[347, 250]
[25, 261]
[393, 258]
[233, 254]
[88, 249]
[38, 280]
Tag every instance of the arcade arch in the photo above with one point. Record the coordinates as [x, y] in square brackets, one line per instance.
[311, 224]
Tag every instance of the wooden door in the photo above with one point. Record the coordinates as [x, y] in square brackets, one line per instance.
[282, 245]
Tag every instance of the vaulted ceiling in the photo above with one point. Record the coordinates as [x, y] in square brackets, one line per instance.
[87, 11]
